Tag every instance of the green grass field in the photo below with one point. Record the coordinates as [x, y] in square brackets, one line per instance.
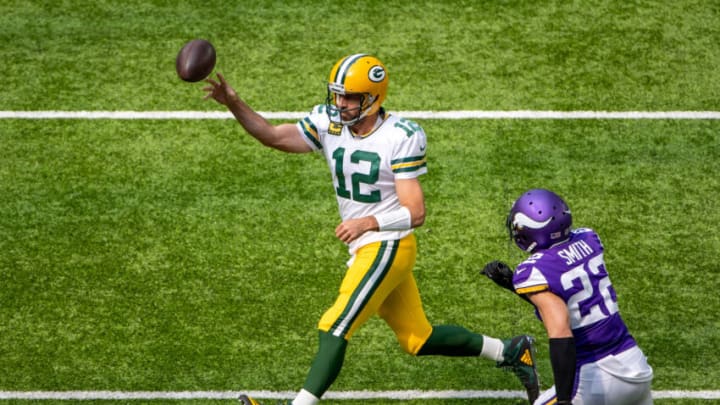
[181, 255]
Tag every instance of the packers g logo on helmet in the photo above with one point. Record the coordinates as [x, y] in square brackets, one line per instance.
[357, 74]
[377, 74]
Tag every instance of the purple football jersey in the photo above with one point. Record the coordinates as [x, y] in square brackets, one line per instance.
[575, 271]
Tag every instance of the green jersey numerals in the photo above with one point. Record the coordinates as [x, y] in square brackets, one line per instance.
[408, 126]
[357, 178]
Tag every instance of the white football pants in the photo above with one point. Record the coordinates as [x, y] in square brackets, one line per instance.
[623, 379]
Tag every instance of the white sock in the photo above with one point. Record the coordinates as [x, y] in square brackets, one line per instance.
[305, 398]
[492, 348]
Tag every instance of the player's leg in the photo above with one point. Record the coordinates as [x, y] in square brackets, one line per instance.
[644, 391]
[376, 269]
[623, 379]
[626, 378]
[594, 386]
[633, 376]
[324, 370]
[374, 273]
[628, 393]
[403, 311]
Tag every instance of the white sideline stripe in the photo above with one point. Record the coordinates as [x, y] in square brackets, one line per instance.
[282, 115]
[338, 395]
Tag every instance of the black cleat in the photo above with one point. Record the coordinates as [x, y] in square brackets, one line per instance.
[246, 400]
[519, 357]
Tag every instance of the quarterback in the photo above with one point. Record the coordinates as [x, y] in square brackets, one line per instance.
[595, 359]
[375, 159]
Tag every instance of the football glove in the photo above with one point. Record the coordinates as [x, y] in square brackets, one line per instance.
[500, 273]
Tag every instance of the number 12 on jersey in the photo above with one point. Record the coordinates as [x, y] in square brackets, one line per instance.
[356, 178]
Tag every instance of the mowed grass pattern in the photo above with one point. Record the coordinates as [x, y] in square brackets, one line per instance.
[181, 255]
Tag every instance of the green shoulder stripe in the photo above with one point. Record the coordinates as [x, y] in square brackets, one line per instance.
[311, 132]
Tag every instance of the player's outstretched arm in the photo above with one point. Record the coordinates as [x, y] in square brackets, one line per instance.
[284, 137]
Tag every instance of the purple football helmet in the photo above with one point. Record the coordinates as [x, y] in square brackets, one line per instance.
[539, 219]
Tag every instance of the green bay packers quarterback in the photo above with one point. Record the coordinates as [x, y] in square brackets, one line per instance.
[376, 159]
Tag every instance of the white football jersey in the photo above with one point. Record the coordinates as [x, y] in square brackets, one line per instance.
[364, 168]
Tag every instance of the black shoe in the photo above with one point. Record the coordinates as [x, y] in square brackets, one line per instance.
[246, 400]
[519, 357]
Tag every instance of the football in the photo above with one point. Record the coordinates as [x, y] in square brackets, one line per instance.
[195, 61]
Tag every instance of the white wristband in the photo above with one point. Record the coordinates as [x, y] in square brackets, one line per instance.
[395, 220]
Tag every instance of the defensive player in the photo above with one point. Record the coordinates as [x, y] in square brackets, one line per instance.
[375, 159]
[595, 359]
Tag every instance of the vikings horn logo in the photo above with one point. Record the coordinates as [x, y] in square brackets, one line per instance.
[523, 221]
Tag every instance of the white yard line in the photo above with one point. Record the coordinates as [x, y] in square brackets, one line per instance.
[337, 395]
[288, 115]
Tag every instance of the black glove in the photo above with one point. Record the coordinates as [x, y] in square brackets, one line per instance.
[500, 273]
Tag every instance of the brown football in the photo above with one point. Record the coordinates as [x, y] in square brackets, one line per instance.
[195, 61]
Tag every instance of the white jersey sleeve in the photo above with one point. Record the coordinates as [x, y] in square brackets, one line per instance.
[314, 127]
[408, 159]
